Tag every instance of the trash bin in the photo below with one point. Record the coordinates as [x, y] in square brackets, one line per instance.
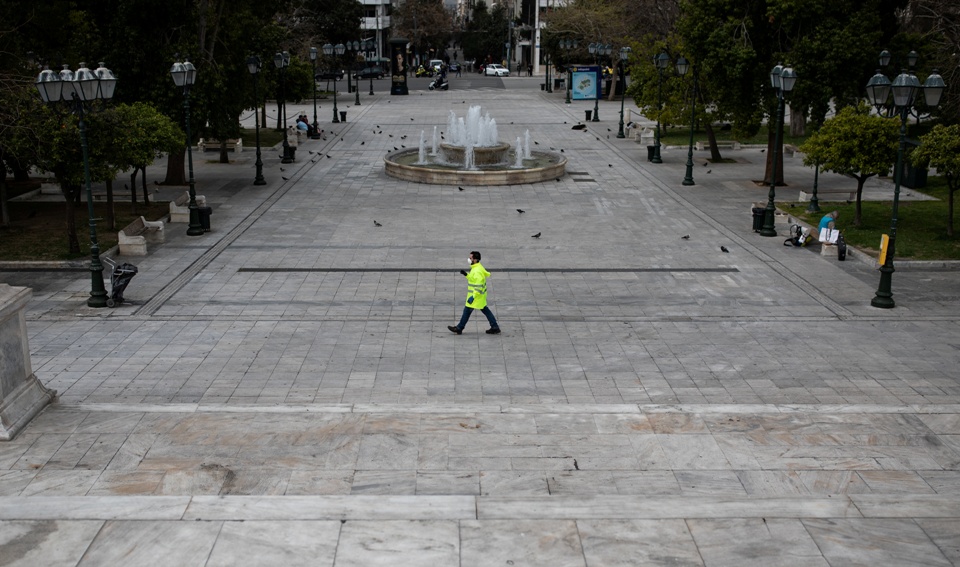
[289, 154]
[558, 83]
[588, 114]
[205, 213]
[758, 214]
[343, 116]
[651, 151]
[914, 177]
[543, 86]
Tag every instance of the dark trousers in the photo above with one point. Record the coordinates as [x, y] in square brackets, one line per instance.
[468, 311]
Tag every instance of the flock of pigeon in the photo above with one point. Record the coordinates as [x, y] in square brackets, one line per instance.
[578, 126]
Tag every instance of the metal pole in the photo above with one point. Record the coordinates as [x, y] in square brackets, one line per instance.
[98, 293]
[814, 206]
[768, 213]
[194, 229]
[688, 177]
[884, 296]
[283, 112]
[336, 120]
[316, 125]
[259, 180]
[596, 100]
[656, 133]
[623, 94]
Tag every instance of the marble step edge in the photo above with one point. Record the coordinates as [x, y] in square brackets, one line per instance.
[465, 507]
[517, 409]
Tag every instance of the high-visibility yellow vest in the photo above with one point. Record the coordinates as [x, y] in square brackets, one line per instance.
[477, 286]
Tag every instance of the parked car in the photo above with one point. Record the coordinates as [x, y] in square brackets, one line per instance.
[454, 67]
[329, 75]
[496, 70]
[374, 71]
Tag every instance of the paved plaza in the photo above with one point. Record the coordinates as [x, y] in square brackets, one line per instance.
[284, 390]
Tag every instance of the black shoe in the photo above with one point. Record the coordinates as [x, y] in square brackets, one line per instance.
[493, 331]
[455, 330]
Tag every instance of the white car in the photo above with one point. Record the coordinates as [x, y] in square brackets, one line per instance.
[496, 70]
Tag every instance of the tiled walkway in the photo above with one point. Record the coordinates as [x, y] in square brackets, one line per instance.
[283, 390]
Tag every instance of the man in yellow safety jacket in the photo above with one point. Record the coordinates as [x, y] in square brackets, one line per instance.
[476, 296]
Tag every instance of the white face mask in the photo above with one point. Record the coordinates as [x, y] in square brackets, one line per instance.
[469, 260]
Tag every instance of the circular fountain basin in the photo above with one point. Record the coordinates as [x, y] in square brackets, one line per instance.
[543, 166]
[482, 155]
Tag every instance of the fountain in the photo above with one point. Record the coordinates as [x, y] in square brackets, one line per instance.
[474, 155]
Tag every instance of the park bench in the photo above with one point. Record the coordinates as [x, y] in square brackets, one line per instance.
[828, 195]
[180, 208]
[721, 144]
[134, 237]
[209, 144]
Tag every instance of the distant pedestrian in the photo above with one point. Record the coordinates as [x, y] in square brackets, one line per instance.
[529, 70]
[476, 296]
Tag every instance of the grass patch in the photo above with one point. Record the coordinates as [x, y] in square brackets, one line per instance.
[921, 225]
[37, 231]
[680, 136]
[268, 138]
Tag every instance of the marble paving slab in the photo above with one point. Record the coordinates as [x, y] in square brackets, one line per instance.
[51, 543]
[660, 507]
[290, 543]
[331, 507]
[93, 507]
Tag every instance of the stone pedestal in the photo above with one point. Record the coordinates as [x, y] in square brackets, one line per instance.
[22, 396]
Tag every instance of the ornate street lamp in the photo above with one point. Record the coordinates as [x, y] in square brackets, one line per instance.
[184, 76]
[329, 50]
[682, 66]
[782, 80]
[253, 65]
[568, 45]
[598, 50]
[77, 90]
[662, 61]
[368, 48]
[313, 63]
[624, 56]
[354, 50]
[281, 60]
[814, 206]
[904, 89]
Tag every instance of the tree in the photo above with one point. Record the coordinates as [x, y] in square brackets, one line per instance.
[427, 24]
[485, 34]
[856, 144]
[938, 22]
[146, 136]
[830, 44]
[940, 148]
